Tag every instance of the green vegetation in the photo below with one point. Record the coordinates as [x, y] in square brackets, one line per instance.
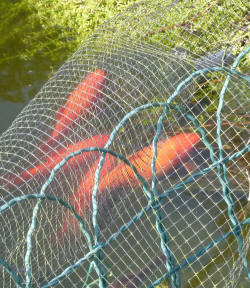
[37, 36]
[54, 29]
[42, 34]
[45, 26]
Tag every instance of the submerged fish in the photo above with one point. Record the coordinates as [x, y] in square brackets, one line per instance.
[171, 152]
[77, 105]
[44, 169]
[85, 94]
[82, 197]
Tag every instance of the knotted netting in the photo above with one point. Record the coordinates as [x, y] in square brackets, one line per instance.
[130, 167]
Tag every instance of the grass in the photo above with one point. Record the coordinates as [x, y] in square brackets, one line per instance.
[53, 29]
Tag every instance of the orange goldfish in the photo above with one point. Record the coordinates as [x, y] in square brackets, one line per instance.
[45, 168]
[170, 153]
[85, 94]
[77, 105]
[79, 200]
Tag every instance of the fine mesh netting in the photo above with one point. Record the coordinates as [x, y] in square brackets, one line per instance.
[153, 157]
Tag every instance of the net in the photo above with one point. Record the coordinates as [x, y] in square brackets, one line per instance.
[130, 167]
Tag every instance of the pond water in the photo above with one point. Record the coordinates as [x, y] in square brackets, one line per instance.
[8, 112]
[21, 74]
[19, 82]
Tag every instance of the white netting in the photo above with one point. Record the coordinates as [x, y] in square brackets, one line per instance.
[139, 57]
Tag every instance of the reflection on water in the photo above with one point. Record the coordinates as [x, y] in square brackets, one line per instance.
[8, 112]
[19, 82]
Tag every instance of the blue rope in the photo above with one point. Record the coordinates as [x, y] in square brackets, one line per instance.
[87, 278]
[223, 177]
[11, 272]
[102, 282]
[111, 138]
[125, 226]
[154, 198]
[41, 196]
[159, 216]
[115, 236]
[202, 251]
